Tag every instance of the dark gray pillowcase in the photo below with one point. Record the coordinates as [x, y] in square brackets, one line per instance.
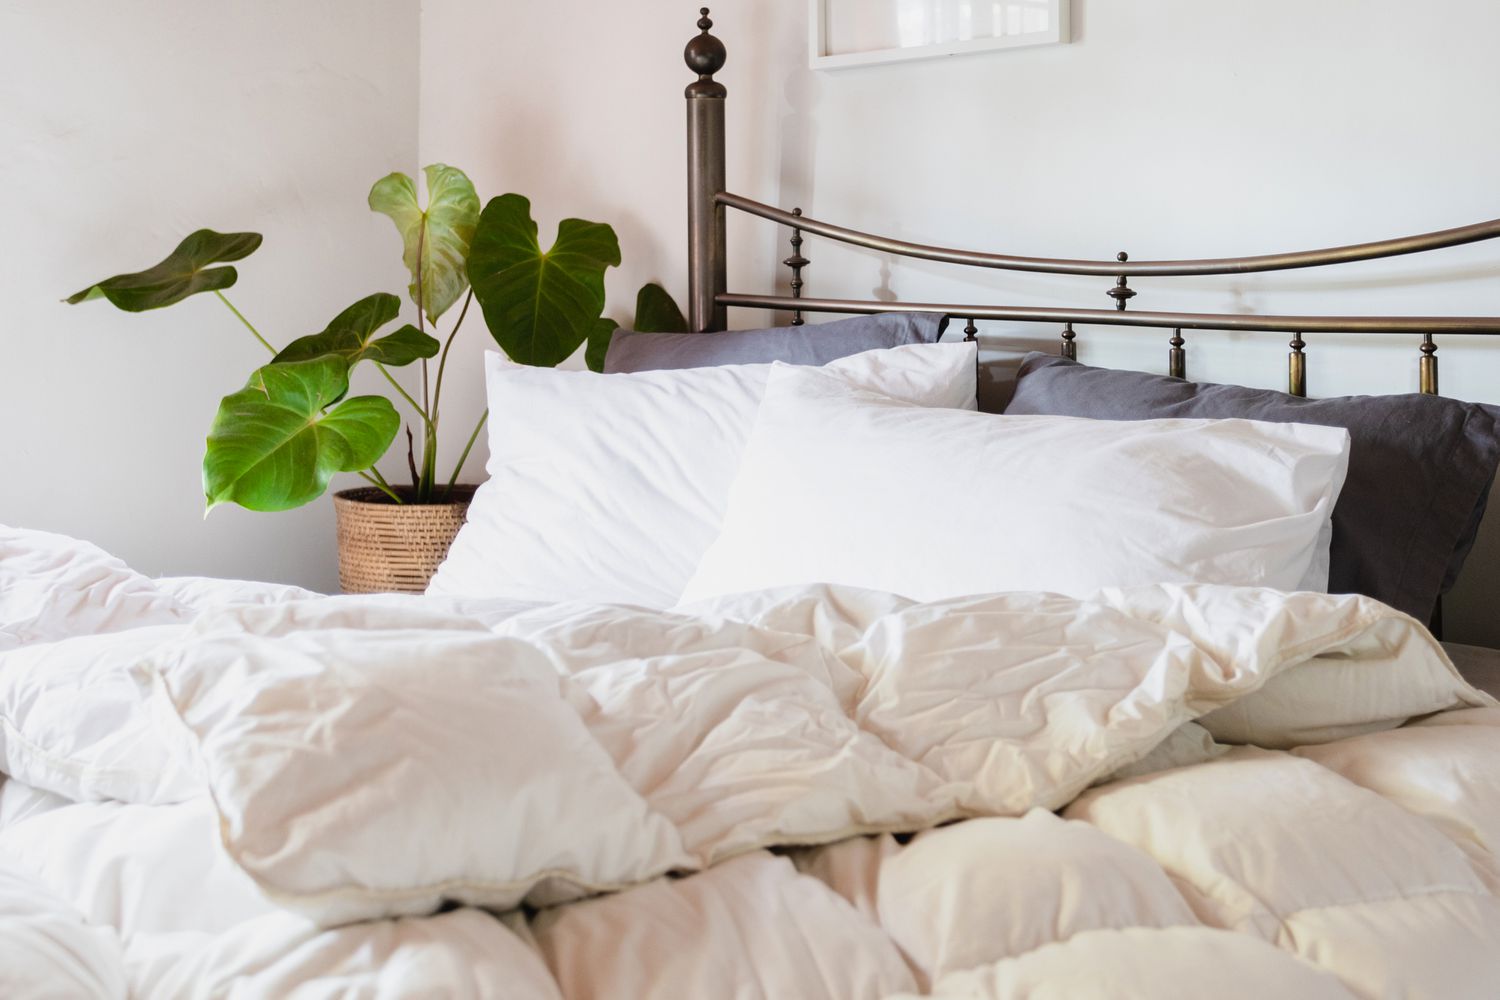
[1420, 467]
[811, 344]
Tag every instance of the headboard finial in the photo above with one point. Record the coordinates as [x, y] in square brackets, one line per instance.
[705, 56]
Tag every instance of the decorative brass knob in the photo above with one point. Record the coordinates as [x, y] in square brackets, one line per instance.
[704, 53]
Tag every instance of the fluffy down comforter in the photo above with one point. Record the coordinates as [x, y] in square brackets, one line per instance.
[1164, 792]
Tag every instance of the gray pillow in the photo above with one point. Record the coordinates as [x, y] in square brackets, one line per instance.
[1420, 467]
[812, 344]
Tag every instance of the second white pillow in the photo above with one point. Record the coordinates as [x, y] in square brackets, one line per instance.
[608, 488]
[842, 485]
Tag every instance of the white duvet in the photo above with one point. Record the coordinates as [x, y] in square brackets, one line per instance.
[223, 792]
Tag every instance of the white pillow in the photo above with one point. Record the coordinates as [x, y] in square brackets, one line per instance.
[609, 488]
[843, 485]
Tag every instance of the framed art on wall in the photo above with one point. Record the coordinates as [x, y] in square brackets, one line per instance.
[865, 32]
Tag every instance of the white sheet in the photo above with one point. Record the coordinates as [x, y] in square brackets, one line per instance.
[374, 757]
[47, 951]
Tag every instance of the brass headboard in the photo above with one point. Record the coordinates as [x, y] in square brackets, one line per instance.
[709, 297]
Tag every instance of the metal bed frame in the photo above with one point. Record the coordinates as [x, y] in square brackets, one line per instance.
[709, 298]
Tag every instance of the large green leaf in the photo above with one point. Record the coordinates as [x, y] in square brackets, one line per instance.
[272, 447]
[185, 272]
[436, 241]
[351, 335]
[539, 305]
[599, 338]
[657, 312]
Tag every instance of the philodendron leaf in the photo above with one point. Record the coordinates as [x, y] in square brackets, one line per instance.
[351, 335]
[406, 345]
[185, 272]
[272, 447]
[599, 338]
[539, 304]
[435, 241]
[657, 312]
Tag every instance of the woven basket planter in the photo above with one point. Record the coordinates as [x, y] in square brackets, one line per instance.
[388, 547]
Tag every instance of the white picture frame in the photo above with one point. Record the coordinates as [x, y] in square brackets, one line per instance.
[844, 33]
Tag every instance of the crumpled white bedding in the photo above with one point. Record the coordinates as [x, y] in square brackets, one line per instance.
[732, 784]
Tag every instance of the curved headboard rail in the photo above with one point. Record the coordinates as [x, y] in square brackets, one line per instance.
[709, 297]
[1423, 325]
[1398, 247]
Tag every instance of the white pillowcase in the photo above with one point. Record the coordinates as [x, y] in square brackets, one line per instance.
[609, 488]
[842, 485]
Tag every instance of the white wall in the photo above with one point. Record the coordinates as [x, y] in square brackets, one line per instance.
[123, 127]
[1168, 128]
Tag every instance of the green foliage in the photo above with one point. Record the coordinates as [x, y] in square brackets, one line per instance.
[656, 312]
[540, 305]
[351, 335]
[277, 442]
[598, 343]
[436, 240]
[184, 272]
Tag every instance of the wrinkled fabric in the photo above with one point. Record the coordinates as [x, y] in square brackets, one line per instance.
[372, 760]
[817, 792]
[48, 951]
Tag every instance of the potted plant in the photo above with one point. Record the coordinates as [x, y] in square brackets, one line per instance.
[277, 442]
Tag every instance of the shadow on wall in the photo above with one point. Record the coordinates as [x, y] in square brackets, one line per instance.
[798, 132]
[999, 362]
[1469, 608]
[997, 380]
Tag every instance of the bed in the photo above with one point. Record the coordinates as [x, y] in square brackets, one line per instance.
[726, 725]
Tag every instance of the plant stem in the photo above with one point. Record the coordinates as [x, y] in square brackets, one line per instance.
[437, 391]
[465, 456]
[381, 480]
[422, 309]
[263, 341]
[404, 394]
[429, 440]
[411, 465]
[429, 463]
[380, 485]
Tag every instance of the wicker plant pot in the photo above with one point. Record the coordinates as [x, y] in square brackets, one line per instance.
[389, 547]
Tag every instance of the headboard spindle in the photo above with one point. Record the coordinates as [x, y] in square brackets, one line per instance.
[1296, 367]
[1428, 366]
[796, 262]
[1177, 356]
[1122, 292]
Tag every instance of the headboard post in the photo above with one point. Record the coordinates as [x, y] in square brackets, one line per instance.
[1177, 355]
[1296, 367]
[707, 273]
[1428, 366]
[1069, 347]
